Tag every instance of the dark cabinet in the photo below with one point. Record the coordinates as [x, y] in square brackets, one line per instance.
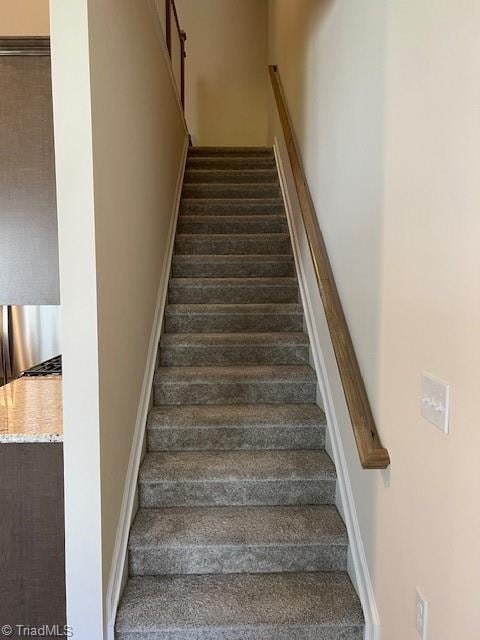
[32, 535]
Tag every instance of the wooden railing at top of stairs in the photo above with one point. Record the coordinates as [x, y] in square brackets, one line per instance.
[170, 9]
[371, 452]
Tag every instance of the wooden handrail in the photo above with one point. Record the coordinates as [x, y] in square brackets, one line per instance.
[168, 26]
[182, 36]
[175, 15]
[183, 55]
[372, 454]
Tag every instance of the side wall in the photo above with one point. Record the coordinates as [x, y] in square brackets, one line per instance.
[384, 101]
[226, 70]
[137, 139]
[429, 518]
[24, 18]
[331, 56]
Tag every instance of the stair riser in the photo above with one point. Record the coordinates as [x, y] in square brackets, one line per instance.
[233, 323]
[236, 393]
[219, 207]
[236, 493]
[229, 176]
[216, 245]
[204, 269]
[255, 294]
[230, 163]
[236, 439]
[231, 191]
[198, 225]
[189, 356]
[195, 560]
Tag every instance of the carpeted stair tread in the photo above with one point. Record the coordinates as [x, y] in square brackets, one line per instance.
[290, 606]
[218, 466]
[231, 191]
[236, 526]
[231, 162]
[282, 384]
[234, 290]
[236, 427]
[233, 339]
[232, 224]
[195, 152]
[211, 318]
[232, 375]
[202, 540]
[210, 349]
[233, 416]
[234, 243]
[230, 176]
[233, 266]
[236, 478]
[235, 206]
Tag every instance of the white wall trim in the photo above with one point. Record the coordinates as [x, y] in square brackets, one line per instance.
[155, 7]
[334, 403]
[127, 512]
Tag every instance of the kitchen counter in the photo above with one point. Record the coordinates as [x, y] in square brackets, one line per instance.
[31, 410]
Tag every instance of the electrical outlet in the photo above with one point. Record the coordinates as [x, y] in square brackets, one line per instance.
[435, 406]
[421, 614]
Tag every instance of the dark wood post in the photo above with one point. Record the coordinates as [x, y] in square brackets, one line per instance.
[168, 26]
[183, 55]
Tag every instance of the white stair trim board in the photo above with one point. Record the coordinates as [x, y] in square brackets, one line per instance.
[119, 568]
[334, 403]
[156, 6]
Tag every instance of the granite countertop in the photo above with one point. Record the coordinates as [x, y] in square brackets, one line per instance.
[31, 410]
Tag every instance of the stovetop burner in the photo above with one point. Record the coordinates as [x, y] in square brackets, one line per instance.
[52, 367]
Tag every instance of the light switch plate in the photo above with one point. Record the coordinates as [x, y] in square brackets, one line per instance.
[421, 614]
[435, 404]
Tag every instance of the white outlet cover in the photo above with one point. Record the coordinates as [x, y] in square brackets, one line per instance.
[435, 402]
[421, 614]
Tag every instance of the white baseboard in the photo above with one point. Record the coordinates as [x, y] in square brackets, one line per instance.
[128, 509]
[331, 389]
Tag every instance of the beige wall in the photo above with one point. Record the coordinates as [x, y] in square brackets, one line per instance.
[138, 140]
[331, 59]
[118, 157]
[226, 70]
[24, 18]
[385, 106]
[429, 519]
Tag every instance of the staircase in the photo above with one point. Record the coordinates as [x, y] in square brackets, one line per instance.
[237, 536]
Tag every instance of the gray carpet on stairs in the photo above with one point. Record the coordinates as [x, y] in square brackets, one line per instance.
[237, 536]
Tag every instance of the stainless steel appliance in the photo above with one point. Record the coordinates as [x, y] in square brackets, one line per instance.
[29, 335]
